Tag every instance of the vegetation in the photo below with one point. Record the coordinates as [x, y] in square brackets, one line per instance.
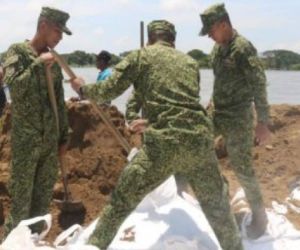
[272, 59]
[202, 58]
[281, 59]
[80, 58]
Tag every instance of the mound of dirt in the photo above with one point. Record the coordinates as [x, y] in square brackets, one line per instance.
[95, 160]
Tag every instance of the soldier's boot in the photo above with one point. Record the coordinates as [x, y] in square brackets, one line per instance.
[258, 224]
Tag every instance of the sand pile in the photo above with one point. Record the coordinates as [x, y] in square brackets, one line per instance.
[94, 161]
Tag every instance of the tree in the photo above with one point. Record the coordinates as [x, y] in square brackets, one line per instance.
[202, 58]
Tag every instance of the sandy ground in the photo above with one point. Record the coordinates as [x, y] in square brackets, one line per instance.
[95, 160]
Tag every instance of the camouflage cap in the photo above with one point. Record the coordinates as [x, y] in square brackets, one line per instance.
[210, 16]
[56, 16]
[161, 26]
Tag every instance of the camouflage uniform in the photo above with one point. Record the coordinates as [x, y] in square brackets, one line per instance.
[35, 139]
[133, 107]
[239, 81]
[178, 140]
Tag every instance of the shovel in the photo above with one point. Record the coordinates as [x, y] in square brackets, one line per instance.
[67, 204]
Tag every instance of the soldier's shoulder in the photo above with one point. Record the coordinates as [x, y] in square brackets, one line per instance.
[243, 45]
[18, 46]
[15, 49]
[188, 58]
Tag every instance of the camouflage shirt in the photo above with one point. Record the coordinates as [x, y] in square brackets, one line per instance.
[239, 79]
[166, 81]
[33, 119]
[134, 107]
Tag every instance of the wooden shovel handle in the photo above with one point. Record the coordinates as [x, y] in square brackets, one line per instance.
[103, 116]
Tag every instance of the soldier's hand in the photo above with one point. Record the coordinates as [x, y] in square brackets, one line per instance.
[76, 83]
[47, 58]
[262, 133]
[138, 126]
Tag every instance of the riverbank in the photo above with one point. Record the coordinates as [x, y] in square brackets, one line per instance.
[95, 160]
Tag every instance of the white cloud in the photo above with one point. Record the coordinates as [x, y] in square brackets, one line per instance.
[178, 5]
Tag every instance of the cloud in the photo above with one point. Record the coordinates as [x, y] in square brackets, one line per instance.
[180, 11]
[178, 5]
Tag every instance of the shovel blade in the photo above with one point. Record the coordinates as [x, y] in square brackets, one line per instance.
[70, 206]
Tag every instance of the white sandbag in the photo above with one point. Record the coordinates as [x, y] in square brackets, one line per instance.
[68, 236]
[21, 238]
[160, 196]
[290, 201]
[163, 220]
[280, 234]
[279, 208]
[75, 238]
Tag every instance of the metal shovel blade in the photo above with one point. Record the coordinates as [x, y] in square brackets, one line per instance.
[70, 206]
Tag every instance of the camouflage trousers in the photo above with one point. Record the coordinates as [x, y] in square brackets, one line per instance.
[238, 135]
[190, 156]
[33, 175]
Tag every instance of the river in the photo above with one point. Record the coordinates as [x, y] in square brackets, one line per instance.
[282, 86]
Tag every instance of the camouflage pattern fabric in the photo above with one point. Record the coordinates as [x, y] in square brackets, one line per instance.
[239, 81]
[162, 26]
[35, 138]
[57, 17]
[210, 16]
[178, 140]
[133, 107]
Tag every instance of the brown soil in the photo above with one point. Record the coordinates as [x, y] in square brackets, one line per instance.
[95, 159]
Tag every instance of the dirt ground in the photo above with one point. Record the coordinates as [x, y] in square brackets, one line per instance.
[95, 160]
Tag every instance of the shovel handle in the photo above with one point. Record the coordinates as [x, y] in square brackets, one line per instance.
[103, 116]
[65, 180]
[54, 107]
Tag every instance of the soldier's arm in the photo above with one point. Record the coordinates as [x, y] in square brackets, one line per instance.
[16, 70]
[255, 75]
[61, 106]
[133, 107]
[125, 73]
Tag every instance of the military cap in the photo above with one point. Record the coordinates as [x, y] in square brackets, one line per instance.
[57, 17]
[210, 16]
[161, 26]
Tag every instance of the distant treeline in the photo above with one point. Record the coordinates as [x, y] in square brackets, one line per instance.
[272, 59]
[82, 59]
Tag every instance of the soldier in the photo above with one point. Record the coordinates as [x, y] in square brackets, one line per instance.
[134, 106]
[178, 139]
[239, 81]
[36, 143]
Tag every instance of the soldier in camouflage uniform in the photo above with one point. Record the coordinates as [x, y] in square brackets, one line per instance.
[134, 106]
[36, 143]
[178, 138]
[239, 81]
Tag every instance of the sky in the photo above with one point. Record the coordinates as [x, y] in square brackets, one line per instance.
[113, 25]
